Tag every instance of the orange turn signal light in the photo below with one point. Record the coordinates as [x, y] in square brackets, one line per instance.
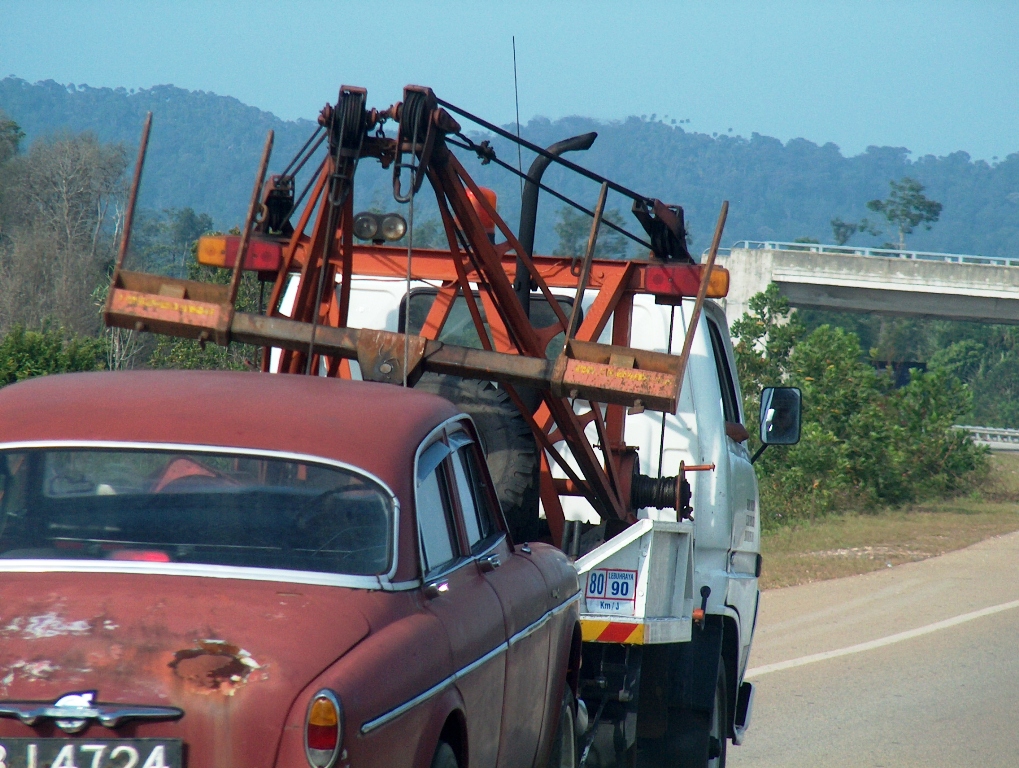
[221, 251]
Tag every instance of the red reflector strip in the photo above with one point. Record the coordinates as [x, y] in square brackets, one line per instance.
[140, 555]
[616, 633]
[263, 255]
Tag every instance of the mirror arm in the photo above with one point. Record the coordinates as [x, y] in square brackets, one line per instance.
[757, 455]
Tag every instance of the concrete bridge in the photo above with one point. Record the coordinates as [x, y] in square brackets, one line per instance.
[906, 283]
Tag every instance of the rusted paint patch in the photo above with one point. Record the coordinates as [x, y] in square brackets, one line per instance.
[214, 666]
[624, 386]
[46, 625]
[28, 671]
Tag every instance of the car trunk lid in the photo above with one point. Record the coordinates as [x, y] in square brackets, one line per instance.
[232, 654]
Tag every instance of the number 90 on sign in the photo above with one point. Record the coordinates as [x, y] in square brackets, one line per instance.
[612, 584]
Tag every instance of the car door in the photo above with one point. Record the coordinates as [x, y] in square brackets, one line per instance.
[524, 599]
[458, 594]
[745, 543]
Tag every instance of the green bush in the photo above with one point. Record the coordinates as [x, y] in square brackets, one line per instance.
[864, 442]
[24, 353]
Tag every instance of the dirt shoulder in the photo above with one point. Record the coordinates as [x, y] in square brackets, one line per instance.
[859, 543]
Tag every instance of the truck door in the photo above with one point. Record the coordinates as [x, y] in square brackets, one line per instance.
[463, 601]
[745, 544]
[523, 595]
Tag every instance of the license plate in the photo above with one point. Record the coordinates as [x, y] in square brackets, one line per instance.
[90, 753]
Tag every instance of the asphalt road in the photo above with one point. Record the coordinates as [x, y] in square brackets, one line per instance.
[916, 665]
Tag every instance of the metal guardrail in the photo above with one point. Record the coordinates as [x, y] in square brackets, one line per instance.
[994, 437]
[952, 258]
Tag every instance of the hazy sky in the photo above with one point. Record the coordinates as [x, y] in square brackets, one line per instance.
[935, 77]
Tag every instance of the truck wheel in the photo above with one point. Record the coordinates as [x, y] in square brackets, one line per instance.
[564, 745]
[508, 443]
[444, 756]
[697, 740]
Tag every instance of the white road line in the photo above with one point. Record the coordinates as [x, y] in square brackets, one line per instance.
[880, 642]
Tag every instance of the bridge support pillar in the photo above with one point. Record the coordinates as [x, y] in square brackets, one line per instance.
[750, 272]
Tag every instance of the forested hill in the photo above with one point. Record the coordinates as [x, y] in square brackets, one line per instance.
[205, 147]
[203, 150]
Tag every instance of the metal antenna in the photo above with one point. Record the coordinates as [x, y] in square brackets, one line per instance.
[516, 96]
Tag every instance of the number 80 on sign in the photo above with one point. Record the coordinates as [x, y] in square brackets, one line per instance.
[612, 584]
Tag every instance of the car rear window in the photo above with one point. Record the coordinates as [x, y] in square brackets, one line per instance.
[230, 509]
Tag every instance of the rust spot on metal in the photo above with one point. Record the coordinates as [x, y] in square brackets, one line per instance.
[214, 665]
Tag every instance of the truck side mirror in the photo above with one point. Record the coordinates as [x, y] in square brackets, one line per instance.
[780, 416]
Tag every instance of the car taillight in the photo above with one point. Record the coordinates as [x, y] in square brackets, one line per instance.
[323, 732]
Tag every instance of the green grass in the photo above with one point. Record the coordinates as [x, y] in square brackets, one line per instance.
[855, 543]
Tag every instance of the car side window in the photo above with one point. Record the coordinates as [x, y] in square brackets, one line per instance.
[479, 517]
[434, 510]
[730, 405]
[466, 495]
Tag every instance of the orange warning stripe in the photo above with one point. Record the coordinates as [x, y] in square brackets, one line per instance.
[595, 631]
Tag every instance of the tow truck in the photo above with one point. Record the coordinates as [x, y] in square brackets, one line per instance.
[619, 373]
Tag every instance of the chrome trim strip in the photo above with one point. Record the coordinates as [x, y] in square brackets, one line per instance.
[108, 715]
[540, 622]
[500, 648]
[392, 714]
[401, 586]
[214, 571]
[387, 717]
[203, 571]
[526, 632]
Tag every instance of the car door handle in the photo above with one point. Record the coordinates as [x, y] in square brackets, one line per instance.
[436, 588]
[489, 563]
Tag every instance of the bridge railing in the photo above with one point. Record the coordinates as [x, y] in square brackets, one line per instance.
[848, 250]
[996, 438]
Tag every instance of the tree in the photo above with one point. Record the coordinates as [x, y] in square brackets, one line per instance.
[573, 229]
[58, 239]
[10, 138]
[842, 231]
[906, 207]
[161, 242]
[10, 142]
[765, 337]
[864, 441]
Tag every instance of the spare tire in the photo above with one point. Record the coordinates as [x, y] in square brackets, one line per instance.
[508, 444]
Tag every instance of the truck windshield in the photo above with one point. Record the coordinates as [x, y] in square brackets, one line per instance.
[192, 507]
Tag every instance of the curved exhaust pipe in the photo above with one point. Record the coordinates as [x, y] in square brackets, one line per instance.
[529, 209]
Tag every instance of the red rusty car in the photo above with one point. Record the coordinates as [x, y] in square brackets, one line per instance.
[238, 569]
